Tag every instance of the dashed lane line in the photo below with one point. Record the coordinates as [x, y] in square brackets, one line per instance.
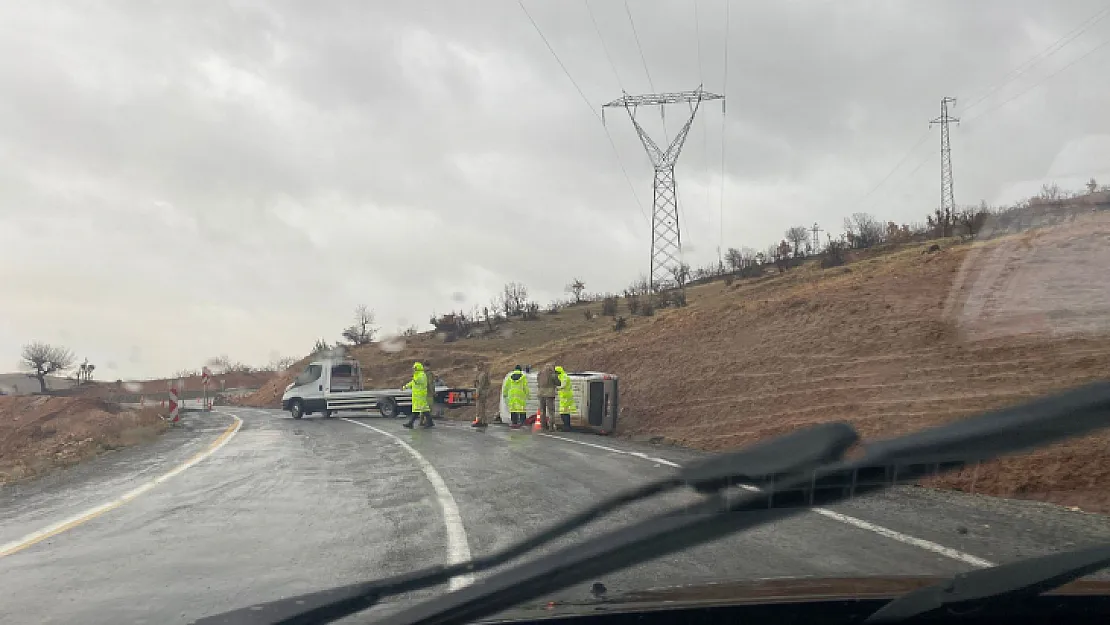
[920, 543]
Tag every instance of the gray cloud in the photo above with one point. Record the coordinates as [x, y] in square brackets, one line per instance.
[181, 180]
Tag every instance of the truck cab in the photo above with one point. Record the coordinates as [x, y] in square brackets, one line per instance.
[309, 391]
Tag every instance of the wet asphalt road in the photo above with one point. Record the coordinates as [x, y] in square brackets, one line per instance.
[286, 507]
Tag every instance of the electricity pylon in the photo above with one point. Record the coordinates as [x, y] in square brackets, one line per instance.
[666, 236]
[947, 197]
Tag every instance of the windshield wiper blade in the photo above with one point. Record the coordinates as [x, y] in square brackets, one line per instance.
[1007, 582]
[790, 454]
[1007, 431]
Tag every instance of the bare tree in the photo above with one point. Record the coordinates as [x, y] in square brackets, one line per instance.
[798, 236]
[84, 372]
[1092, 186]
[42, 359]
[735, 259]
[1051, 192]
[941, 222]
[782, 256]
[320, 347]
[681, 274]
[513, 298]
[641, 285]
[282, 363]
[835, 252]
[864, 230]
[577, 287]
[362, 331]
[971, 219]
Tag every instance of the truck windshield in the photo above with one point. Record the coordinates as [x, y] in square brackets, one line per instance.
[309, 375]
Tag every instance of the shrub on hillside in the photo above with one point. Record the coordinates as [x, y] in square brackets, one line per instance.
[647, 308]
[632, 300]
[609, 306]
[588, 314]
[835, 253]
[531, 311]
[620, 324]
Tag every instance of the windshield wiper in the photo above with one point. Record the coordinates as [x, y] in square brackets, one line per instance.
[819, 473]
[795, 452]
[1010, 582]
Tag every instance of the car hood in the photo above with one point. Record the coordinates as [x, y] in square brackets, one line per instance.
[739, 592]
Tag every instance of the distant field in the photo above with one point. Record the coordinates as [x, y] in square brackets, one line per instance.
[22, 384]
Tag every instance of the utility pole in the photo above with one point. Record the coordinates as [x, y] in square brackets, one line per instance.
[947, 200]
[666, 237]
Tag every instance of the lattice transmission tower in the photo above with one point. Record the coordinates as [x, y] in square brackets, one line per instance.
[947, 199]
[666, 236]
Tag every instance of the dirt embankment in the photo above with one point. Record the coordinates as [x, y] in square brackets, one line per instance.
[108, 390]
[39, 433]
[896, 341]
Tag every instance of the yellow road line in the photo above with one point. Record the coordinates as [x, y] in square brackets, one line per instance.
[50, 531]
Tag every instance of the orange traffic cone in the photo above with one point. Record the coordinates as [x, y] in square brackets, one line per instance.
[537, 425]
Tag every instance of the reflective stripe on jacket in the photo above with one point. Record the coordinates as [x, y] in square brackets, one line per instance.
[419, 386]
[566, 395]
[517, 392]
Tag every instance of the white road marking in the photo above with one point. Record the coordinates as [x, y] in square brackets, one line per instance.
[837, 516]
[458, 548]
[634, 454]
[905, 538]
[66, 524]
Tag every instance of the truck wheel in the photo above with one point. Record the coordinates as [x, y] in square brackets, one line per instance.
[328, 413]
[388, 408]
[296, 409]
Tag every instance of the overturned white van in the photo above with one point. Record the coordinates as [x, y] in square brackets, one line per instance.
[596, 395]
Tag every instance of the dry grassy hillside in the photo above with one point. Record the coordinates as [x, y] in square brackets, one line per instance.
[38, 433]
[891, 343]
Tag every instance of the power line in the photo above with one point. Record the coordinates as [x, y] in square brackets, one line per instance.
[704, 130]
[724, 132]
[643, 59]
[1056, 46]
[597, 29]
[909, 152]
[636, 35]
[586, 100]
[1039, 82]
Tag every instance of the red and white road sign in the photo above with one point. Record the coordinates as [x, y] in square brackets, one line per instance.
[206, 375]
[175, 407]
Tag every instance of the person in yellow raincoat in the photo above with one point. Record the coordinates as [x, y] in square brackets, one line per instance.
[516, 393]
[419, 386]
[567, 406]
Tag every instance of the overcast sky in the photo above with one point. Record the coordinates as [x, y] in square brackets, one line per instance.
[184, 179]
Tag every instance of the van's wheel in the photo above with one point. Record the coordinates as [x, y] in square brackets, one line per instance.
[388, 408]
[328, 413]
[296, 409]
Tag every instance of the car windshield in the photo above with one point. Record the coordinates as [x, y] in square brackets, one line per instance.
[544, 253]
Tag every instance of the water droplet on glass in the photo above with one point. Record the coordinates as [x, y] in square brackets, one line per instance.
[392, 344]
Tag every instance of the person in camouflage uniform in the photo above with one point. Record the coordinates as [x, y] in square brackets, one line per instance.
[481, 383]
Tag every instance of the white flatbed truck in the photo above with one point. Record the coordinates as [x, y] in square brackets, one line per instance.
[331, 385]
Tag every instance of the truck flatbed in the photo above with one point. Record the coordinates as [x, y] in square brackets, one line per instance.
[328, 386]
